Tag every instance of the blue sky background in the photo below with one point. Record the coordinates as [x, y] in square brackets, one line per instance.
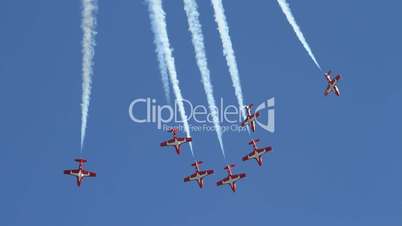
[336, 161]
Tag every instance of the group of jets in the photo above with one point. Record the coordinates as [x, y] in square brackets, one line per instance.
[231, 179]
[80, 173]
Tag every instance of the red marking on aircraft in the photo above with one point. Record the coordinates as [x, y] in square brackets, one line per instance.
[80, 173]
[257, 152]
[231, 179]
[250, 118]
[332, 84]
[176, 141]
[199, 174]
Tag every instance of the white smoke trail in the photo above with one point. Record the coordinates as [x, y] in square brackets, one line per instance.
[88, 25]
[228, 51]
[292, 21]
[190, 6]
[159, 28]
[162, 66]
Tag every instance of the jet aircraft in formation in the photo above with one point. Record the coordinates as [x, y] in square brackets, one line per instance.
[250, 118]
[257, 152]
[176, 142]
[231, 178]
[199, 174]
[80, 173]
[332, 84]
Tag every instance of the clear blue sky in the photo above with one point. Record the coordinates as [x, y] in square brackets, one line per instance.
[336, 161]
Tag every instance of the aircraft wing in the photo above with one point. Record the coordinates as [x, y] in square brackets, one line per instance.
[188, 178]
[206, 172]
[71, 172]
[267, 149]
[209, 172]
[164, 143]
[337, 92]
[241, 175]
[221, 182]
[184, 139]
[89, 173]
[248, 157]
[327, 90]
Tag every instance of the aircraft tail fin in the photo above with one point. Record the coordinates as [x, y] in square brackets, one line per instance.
[80, 160]
[249, 106]
[229, 166]
[197, 163]
[253, 141]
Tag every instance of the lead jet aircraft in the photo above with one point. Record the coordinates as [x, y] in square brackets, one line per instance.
[257, 152]
[80, 173]
[176, 141]
[231, 179]
[198, 175]
[250, 118]
[332, 84]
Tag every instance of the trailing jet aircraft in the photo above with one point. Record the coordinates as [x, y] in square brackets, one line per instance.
[80, 173]
[231, 179]
[199, 174]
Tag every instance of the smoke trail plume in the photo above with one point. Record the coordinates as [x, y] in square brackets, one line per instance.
[190, 6]
[228, 51]
[162, 66]
[292, 21]
[88, 25]
[159, 28]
